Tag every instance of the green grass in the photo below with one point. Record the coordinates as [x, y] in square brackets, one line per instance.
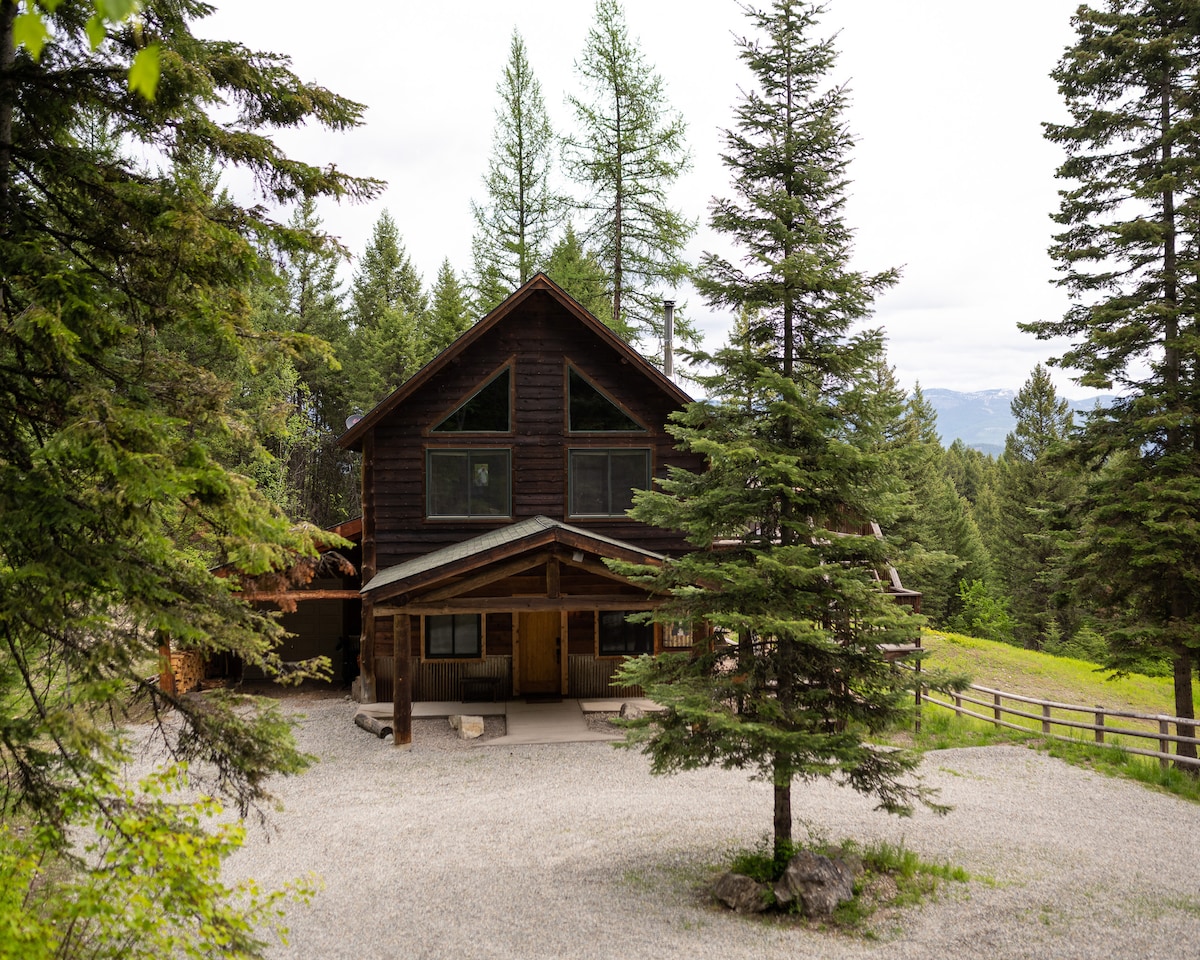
[1030, 673]
[891, 875]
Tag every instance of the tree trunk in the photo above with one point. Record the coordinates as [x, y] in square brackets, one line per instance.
[1184, 707]
[783, 819]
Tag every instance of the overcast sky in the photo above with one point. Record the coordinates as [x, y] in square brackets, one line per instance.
[952, 179]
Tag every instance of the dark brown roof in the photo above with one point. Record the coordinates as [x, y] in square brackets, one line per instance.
[540, 283]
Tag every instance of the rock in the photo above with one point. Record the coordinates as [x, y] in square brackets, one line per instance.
[631, 711]
[818, 882]
[469, 727]
[740, 893]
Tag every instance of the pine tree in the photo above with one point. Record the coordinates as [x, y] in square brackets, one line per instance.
[514, 224]
[1128, 253]
[785, 572]
[123, 299]
[628, 150]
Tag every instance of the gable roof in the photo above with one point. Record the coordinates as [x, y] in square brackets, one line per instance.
[514, 539]
[352, 439]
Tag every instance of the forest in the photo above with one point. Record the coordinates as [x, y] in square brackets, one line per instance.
[176, 364]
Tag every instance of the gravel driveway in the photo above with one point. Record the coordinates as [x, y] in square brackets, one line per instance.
[576, 851]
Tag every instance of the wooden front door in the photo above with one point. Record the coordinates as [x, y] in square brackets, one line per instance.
[541, 652]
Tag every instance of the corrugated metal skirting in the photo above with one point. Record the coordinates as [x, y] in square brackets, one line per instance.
[592, 677]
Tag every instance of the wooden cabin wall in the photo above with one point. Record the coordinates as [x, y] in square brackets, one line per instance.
[394, 457]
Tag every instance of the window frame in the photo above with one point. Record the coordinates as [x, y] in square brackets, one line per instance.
[570, 368]
[454, 656]
[651, 628]
[507, 367]
[609, 451]
[431, 453]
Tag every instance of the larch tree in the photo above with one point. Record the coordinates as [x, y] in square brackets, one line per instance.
[123, 296]
[786, 572]
[1129, 256]
[514, 223]
[627, 150]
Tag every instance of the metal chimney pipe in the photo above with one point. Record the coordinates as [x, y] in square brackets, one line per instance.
[669, 338]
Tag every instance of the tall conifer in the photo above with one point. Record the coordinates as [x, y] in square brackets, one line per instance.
[786, 572]
[1129, 251]
[627, 151]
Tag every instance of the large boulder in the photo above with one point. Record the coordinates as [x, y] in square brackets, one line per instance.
[741, 893]
[818, 882]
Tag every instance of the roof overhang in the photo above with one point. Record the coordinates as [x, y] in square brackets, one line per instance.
[472, 565]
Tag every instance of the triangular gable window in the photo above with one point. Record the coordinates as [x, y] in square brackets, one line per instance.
[486, 411]
[590, 411]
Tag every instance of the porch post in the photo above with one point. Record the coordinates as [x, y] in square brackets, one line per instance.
[562, 633]
[366, 654]
[401, 682]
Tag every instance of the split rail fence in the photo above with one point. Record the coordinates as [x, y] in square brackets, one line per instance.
[995, 706]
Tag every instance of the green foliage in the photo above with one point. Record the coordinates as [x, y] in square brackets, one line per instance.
[125, 310]
[144, 884]
[1127, 251]
[513, 225]
[627, 152]
[581, 276]
[915, 880]
[1086, 644]
[981, 614]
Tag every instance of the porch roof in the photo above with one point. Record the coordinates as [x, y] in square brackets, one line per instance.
[514, 539]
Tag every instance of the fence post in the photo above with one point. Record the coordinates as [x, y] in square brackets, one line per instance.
[1164, 745]
[957, 705]
[917, 718]
[996, 707]
[1099, 723]
[1045, 718]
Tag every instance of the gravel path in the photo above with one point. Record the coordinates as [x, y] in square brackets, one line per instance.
[452, 850]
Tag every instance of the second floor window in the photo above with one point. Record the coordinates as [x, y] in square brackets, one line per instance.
[601, 481]
[469, 483]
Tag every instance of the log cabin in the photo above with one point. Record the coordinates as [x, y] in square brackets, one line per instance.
[495, 484]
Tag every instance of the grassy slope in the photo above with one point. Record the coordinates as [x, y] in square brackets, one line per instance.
[1029, 673]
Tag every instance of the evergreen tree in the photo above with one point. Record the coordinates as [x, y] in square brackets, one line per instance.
[627, 152]
[1034, 493]
[296, 395]
[784, 571]
[513, 225]
[450, 313]
[581, 276]
[1128, 252]
[122, 301]
[387, 310]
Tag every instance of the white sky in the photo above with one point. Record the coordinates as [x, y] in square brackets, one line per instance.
[952, 179]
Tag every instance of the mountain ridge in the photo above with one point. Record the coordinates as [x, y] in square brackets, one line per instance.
[981, 418]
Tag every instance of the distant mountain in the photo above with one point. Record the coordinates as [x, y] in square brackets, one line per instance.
[981, 419]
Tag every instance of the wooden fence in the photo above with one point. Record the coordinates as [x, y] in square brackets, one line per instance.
[995, 705]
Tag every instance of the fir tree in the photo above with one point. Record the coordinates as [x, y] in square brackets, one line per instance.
[628, 150]
[785, 571]
[581, 276]
[450, 313]
[1128, 252]
[387, 309]
[123, 301]
[1034, 494]
[514, 224]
